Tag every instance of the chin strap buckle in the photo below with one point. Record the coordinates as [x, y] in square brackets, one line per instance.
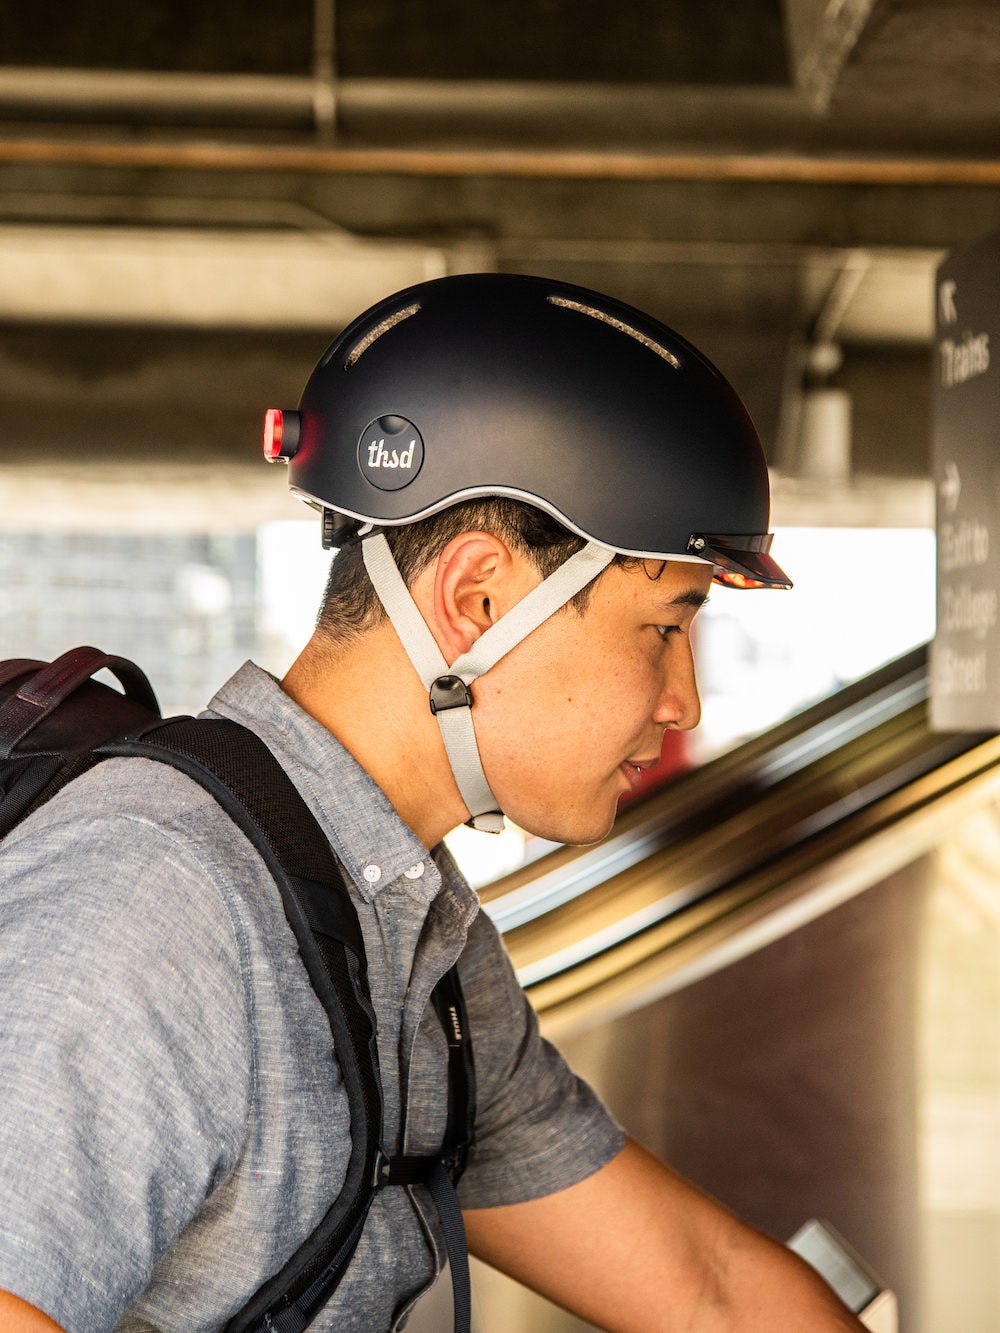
[449, 692]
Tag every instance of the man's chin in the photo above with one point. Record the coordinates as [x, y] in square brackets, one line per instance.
[580, 826]
[586, 830]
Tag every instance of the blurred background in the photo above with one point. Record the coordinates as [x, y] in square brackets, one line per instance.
[195, 198]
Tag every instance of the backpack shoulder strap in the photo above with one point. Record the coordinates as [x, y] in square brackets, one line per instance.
[241, 774]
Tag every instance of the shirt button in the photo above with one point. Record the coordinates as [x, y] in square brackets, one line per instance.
[372, 874]
[415, 872]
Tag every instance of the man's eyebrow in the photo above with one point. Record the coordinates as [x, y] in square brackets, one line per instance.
[691, 598]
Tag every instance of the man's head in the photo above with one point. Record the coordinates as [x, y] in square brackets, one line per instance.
[572, 430]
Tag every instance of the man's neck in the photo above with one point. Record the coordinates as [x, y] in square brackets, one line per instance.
[367, 694]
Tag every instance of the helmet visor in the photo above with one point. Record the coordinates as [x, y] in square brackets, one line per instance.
[740, 561]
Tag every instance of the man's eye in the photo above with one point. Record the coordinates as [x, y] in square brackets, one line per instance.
[665, 631]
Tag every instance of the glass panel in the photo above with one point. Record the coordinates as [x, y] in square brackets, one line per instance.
[862, 597]
[184, 606]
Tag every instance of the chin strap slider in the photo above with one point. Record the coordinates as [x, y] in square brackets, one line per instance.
[449, 692]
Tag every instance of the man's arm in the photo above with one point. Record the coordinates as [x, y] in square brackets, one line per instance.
[17, 1316]
[637, 1249]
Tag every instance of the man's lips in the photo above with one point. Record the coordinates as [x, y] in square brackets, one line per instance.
[634, 769]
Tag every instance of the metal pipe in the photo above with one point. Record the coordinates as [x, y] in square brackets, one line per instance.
[324, 69]
[508, 163]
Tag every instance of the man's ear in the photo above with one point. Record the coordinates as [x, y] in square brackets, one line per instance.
[476, 580]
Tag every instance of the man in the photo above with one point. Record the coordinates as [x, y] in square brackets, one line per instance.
[533, 487]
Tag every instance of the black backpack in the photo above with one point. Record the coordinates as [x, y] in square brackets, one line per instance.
[56, 723]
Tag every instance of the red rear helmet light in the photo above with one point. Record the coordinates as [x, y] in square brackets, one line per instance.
[281, 434]
[274, 429]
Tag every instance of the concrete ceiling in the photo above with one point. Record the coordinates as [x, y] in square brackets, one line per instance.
[181, 185]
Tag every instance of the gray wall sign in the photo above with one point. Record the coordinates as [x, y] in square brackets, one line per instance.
[965, 657]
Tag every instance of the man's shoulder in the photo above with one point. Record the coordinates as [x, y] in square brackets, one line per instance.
[143, 830]
[124, 794]
[133, 862]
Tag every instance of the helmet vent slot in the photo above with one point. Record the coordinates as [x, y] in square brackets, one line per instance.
[618, 324]
[363, 344]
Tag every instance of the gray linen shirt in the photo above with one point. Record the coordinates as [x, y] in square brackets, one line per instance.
[173, 1126]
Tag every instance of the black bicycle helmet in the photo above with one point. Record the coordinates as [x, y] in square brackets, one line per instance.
[493, 384]
[515, 386]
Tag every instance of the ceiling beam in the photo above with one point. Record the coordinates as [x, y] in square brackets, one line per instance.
[209, 278]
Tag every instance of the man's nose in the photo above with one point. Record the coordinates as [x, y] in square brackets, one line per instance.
[679, 705]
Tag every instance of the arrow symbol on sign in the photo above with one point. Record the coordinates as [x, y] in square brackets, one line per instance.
[947, 311]
[951, 487]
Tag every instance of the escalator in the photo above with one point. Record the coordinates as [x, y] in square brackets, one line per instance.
[782, 971]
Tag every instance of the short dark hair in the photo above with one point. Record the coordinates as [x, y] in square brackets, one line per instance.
[350, 604]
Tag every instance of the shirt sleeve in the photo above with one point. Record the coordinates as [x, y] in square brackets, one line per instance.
[539, 1128]
[125, 1094]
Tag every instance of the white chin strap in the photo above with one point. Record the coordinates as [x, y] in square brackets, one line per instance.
[448, 686]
